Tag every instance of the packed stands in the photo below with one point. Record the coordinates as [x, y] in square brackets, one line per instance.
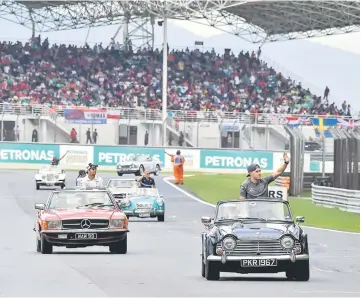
[63, 75]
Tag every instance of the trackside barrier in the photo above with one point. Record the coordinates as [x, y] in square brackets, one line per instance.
[343, 199]
[16, 155]
[283, 182]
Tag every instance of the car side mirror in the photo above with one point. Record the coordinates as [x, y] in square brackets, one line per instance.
[300, 219]
[206, 220]
[40, 206]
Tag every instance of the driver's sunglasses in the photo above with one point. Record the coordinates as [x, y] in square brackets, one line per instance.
[147, 173]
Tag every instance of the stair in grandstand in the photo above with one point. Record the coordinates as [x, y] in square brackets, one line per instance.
[54, 120]
[173, 134]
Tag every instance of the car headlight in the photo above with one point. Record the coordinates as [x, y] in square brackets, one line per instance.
[116, 223]
[53, 225]
[229, 243]
[125, 202]
[160, 202]
[287, 242]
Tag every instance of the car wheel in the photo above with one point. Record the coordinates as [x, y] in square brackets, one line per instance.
[299, 271]
[141, 170]
[62, 186]
[203, 267]
[157, 170]
[45, 246]
[160, 217]
[120, 247]
[211, 271]
[120, 174]
[37, 186]
[38, 245]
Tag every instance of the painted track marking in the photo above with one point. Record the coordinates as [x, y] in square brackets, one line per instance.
[166, 180]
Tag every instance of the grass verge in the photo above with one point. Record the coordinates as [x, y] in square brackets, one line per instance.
[226, 187]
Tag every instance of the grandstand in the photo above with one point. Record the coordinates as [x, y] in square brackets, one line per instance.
[246, 107]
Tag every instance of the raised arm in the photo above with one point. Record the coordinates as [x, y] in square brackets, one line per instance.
[282, 168]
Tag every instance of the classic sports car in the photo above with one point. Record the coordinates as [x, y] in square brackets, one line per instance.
[254, 236]
[144, 203]
[50, 175]
[81, 218]
[137, 164]
[121, 187]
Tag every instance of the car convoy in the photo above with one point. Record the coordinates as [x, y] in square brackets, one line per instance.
[244, 236]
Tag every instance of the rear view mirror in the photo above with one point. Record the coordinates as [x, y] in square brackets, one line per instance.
[206, 220]
[300, 219]
[40, 206]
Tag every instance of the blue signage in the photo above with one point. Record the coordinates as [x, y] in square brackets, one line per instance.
[28, 153]
[227, 159]
[111, 155]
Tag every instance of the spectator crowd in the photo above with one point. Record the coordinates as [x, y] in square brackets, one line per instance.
[61, 75]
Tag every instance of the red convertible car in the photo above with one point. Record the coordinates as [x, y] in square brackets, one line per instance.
[81, 218]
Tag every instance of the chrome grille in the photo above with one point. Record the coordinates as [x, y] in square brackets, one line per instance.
[252, 248]
[69, 224]
[119, 195]
[144, 206]
[50, 177]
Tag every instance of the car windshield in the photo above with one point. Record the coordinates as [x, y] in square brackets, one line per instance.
[50, 168]
[258, 210]
[118, 183]
[149, 192]
[80, 199]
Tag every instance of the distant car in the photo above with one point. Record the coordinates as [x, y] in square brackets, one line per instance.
[138, 164]
[121, 187]
[254, 236]
[50, 175]
[144, 203]
[80, 218]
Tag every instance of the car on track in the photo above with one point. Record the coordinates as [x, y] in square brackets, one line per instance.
[144, 203]
[121, 187]
[137, 164]
[254, 236]
[50, 175]
[79, 218]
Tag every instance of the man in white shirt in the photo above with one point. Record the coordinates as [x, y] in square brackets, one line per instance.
[92, 180]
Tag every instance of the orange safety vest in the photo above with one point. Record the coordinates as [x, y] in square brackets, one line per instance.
[178, 160]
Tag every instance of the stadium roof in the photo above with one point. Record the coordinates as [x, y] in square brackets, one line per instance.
[255, 21]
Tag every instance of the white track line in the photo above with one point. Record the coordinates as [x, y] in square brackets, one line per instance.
[166, 180]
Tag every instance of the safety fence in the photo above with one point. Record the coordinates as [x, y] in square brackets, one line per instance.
[343, 199]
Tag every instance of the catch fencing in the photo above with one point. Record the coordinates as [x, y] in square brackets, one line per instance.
[343, 199]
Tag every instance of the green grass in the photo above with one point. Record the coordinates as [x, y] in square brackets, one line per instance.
[226, 187]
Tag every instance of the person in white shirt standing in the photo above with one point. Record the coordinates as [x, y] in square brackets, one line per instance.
[92, 180]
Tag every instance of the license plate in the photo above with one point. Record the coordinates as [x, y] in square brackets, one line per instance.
[259, 263]
[86, 236]
[144, 214]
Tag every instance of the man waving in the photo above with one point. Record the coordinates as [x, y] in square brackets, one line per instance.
[256, 186]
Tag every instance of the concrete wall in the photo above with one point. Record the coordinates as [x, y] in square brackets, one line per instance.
[47, 131]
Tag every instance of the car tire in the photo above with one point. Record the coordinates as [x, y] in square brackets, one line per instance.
[300, 271]
[160, 218]
[45, 246]
[141, 170]
[203, 267]
[211, 271]
[120, 174]
[37, 186]
[120, 247]
[38, 245]
[157, 170]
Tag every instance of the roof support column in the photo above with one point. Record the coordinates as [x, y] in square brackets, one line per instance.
[165, 81]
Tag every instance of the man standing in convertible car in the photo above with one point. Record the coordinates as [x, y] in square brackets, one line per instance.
[178, 168]
[256, 186]
[55, 161]
[92, 180]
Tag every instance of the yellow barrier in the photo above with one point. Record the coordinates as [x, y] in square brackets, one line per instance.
[284, 182]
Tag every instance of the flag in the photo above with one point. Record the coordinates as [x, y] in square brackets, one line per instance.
[322, 126]
[292, 121]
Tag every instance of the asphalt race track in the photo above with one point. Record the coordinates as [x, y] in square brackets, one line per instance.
[163, 258]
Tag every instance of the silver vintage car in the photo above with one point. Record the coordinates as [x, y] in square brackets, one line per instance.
[137, 164]
[50, 175]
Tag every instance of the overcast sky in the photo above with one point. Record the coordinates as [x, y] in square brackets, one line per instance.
[331, 60]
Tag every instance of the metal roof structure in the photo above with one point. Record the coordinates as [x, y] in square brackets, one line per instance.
[254, 21]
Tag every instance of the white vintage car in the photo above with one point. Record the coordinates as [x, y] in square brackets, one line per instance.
[50, 175]
[121, 187]
[137, 164]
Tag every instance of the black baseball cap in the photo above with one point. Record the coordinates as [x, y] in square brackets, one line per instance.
[91, 166]
[252, 168]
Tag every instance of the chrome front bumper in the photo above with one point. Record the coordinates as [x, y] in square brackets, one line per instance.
[239, 258]
[50, 182]
[143, 213]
